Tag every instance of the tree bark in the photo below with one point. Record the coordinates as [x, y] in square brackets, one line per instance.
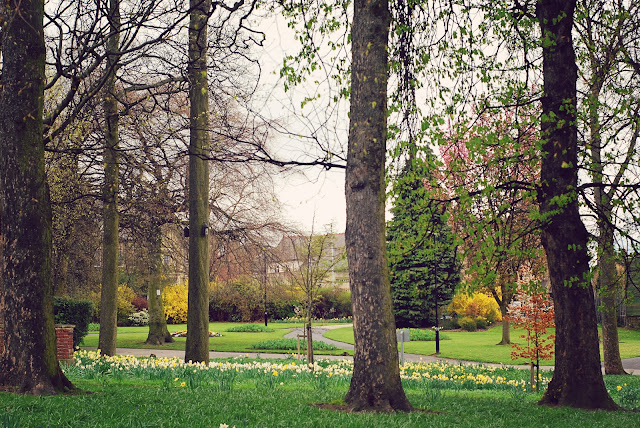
[158, 331]
[375, 384]
[28, 363]
[506, 330]
[197, 345]
[609, 280]
[111, 186]
[577, 378]
[503, 304]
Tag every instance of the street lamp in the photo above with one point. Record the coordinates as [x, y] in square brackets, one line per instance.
[437, 324]
[265, 288]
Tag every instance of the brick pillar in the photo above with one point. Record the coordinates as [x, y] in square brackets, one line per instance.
[64, 342]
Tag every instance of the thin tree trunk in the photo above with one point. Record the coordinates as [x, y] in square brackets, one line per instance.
[577, 378]
[309, 343]
[28, 363]
[506, 329]
[110, 244]
[375, 383]
[608, 281]
[197, 345]
[158, 331]
[608, 278]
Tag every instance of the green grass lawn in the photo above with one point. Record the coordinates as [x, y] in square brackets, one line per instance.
[263, 393]
[134, 337]
[481, 345]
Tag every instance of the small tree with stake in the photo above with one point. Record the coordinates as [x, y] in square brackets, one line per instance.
[533, 311]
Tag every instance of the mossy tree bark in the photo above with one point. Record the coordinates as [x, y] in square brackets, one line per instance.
[28, 363]
[609, 282]
[577, 378]
[158, 331]
[110, 244]
[197, 345]
[375, 384]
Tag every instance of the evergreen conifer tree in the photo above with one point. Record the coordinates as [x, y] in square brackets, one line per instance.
[423, 266]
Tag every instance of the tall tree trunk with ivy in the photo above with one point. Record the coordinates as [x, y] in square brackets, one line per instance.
[577, 378]
[375, 383]
[197, 346]
[110, 243]
[28, 363]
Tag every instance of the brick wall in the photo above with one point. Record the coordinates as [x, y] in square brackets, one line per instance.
[64, 342]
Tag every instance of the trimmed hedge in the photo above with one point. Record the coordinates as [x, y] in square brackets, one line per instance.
[76, 312]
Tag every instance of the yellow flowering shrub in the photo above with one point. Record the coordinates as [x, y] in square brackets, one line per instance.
[175, 302]
[474, 306]
[124, 296]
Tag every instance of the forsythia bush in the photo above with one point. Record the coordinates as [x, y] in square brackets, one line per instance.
[174, 300]
[124, 296]
[474, 306]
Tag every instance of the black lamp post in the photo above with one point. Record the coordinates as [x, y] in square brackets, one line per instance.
[437, 322]
[435, 282]
[265, 289]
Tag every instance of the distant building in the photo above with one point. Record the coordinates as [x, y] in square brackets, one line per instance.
[289, 253]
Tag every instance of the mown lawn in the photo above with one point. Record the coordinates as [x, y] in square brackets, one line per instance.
[481, 345]
[262, 393]
[134, 337]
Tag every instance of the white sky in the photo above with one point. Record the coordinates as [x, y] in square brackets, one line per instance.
[312, 197]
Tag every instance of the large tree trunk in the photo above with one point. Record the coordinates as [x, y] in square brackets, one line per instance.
[577, 378]
[375, 383]
[110, 243]
[158, 331]
[28, 363]
[197, 346]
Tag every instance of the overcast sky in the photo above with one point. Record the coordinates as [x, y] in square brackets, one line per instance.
[314, 197]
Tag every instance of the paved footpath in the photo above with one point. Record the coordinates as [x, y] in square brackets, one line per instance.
[631, 365]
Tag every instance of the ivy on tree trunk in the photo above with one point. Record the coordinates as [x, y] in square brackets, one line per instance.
[577, 378]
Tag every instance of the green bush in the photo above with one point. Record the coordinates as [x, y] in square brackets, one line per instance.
[78, 313]
[251, 328]
[450, 323]
[425, 335]
[292, 345]
[482, 322]
[332, 303]
[468, 324]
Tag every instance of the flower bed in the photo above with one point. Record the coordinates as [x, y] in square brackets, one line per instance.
[183, 333]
